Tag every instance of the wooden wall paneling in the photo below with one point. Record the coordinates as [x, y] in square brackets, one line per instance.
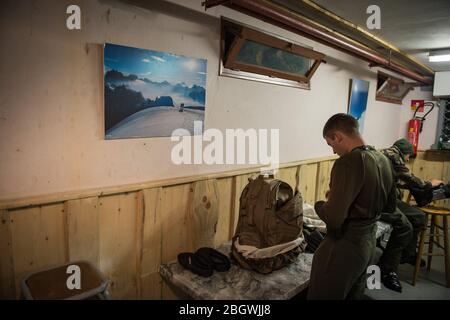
[203, 213]
[83, 230]
[433, 170]
[7, 285]
[323, 179]
[427, 170]
[25, 252]
[151, 282]
[307, 182]
[117, 235]
[39, 239]
[226, 201]
[24, 231]
[175, 239]
[174, 205]
[138, 239]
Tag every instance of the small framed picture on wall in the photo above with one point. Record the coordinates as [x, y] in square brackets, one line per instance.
[357, 102]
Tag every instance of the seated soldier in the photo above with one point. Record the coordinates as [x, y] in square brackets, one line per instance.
[406, 221]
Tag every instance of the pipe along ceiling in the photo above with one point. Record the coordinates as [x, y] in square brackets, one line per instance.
[312, 21]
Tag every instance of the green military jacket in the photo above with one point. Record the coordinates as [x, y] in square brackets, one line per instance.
[361, 187]
[404, 179]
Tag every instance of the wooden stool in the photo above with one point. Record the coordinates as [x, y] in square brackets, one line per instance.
[432, 212]
[51, 284]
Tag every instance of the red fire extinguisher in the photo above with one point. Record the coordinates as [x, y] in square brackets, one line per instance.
[413, 133]
[415, 127]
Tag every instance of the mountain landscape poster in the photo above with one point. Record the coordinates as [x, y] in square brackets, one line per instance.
[150, 93]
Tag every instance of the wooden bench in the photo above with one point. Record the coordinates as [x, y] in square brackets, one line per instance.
[242, 284]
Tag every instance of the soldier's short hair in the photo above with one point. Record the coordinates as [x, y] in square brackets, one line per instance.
[341, 122]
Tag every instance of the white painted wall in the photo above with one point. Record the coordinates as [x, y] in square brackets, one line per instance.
[51, 106]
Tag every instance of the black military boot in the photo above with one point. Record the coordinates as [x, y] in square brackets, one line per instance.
[391, 281]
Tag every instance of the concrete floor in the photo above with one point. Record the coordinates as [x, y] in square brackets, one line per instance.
[429, 286]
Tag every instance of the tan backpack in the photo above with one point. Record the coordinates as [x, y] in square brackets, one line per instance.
[269, 234]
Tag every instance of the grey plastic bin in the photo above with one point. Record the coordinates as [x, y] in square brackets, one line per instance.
[51, 284]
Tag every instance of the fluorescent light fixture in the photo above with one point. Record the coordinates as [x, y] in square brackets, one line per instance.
[444, 57]
[439, 55]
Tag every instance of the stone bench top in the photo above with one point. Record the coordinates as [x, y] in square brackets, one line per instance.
[241, 284]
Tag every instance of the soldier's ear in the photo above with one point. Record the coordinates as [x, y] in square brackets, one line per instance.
[338, 136]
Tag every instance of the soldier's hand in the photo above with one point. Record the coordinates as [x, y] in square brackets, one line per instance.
[436, 182]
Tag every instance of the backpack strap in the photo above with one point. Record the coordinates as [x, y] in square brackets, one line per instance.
[256, 189]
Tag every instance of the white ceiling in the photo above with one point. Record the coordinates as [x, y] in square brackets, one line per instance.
[414, 26]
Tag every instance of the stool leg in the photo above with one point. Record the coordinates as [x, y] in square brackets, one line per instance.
[420, 251]
[438, 237]
[433, 230]
[104, 295]
[447, 250]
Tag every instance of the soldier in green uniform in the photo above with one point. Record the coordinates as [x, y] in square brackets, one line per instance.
[406, 221]
[361, 187]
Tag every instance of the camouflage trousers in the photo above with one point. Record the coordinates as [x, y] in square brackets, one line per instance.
[406, 223]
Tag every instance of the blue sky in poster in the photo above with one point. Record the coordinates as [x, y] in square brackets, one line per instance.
[358, 100]
[155, 65]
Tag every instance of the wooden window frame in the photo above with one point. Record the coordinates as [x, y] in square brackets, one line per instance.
[390, 78]
[243, 33]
